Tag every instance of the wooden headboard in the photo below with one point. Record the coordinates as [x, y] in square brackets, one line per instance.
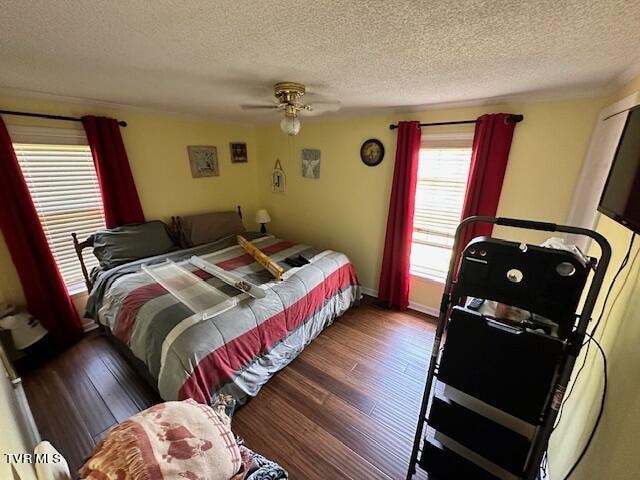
[79, 247]
[175, 230]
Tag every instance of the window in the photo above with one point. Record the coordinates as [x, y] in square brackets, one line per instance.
[442, 180]
[59, 171]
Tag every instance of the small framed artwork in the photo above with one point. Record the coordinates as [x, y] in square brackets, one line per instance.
[238, 152]
[278, 178]
[311, 163]
[203, 160]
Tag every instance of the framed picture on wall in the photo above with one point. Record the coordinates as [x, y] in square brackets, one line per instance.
[311, 163]
[238, 152]
[203, 160]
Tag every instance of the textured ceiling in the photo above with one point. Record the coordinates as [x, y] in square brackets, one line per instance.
[208, 57]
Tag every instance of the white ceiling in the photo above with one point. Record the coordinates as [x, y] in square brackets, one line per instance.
[209, 56]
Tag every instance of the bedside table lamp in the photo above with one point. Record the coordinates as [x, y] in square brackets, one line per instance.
[262, 217]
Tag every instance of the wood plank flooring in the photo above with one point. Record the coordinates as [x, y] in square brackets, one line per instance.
[345, 408]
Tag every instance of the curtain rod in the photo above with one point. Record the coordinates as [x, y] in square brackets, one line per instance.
[511, 118]
[122, 123]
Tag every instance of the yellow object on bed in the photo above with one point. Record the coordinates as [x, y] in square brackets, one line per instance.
[272, 267]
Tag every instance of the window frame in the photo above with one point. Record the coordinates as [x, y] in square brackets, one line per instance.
[54, 136]
[441, 140]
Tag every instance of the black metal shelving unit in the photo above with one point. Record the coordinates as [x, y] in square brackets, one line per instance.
[494, 387]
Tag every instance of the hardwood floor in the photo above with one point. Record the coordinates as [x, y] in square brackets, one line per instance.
[345, 408]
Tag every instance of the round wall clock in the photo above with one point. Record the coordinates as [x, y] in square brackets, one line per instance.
[372, 152]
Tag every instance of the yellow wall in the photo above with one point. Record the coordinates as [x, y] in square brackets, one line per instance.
[156, 146]
[346, 209]
[614, 452]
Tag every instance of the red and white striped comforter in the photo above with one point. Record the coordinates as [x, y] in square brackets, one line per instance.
[236, 351]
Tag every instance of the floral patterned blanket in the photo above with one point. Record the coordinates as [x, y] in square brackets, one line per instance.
[175, 441]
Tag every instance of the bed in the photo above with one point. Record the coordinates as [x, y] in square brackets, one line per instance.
[237, 350]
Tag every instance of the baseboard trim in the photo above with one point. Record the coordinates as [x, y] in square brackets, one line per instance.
[369, 291]
[418, 307]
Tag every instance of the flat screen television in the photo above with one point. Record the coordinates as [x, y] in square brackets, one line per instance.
[621, 196]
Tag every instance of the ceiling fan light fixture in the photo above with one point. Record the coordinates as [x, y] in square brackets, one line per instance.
[290, 125]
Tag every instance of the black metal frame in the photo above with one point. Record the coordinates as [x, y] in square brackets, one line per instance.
[122, 123]
[515, 118]
[575, 341]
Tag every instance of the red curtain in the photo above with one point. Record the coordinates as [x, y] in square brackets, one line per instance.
[491, 145]
[118, 190]
[393, 290]
[44, 289]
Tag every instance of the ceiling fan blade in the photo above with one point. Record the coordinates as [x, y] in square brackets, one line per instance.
[266, 107]
[325, 102]
[320, 107]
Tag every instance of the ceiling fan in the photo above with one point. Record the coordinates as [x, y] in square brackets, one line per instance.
[289, 96]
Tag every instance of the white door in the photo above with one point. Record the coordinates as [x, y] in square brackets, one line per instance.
[595, 169]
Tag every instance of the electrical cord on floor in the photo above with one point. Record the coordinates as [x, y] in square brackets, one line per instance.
[600, 412]
[566, 398]
[623, 265]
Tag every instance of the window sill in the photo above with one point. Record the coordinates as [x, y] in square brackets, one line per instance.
[426, 279]
[77, 290]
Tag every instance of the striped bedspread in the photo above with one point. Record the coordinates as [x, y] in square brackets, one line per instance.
[237, 350]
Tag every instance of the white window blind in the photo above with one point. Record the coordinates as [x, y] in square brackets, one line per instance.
[442, 180]
[64, 187]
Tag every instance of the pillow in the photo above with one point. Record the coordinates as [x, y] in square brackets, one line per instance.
[54, 466]
[168, 441]
[209, 227]
[127, 243]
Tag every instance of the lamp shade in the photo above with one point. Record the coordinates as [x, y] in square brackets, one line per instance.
[262, 216]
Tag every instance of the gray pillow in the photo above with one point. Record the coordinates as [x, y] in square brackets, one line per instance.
[209, 227]
[127, 243]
